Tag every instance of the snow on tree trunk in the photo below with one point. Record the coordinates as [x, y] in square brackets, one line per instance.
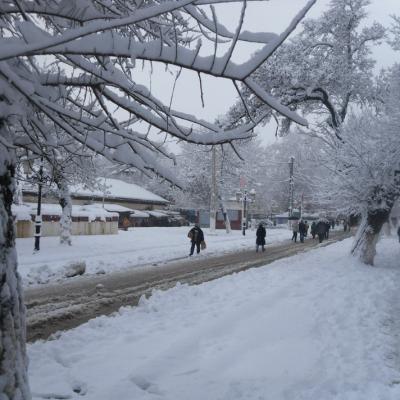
[66, 216]
[225, 215]
[364, 246]
[13, 359]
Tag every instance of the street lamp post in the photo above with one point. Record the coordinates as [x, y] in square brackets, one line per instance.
[291, 185]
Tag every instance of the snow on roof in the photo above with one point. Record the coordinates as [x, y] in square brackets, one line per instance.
[21, 212]
[157, 214]
[92, 211]
[286, 214]
[118, 189]
[116, 208]
[139, 214]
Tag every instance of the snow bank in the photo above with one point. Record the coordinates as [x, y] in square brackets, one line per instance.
[315, 327]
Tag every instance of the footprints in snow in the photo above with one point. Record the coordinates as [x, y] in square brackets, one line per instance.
[145, 385]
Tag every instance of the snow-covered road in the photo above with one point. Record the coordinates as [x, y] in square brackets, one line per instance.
[129, 249]
[316, 327]
[65, 305]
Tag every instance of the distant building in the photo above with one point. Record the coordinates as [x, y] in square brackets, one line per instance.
[86, 220]
[395, 215]
[132, 204]
[282, 219]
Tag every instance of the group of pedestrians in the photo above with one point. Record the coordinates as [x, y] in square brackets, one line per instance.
[318, 228]
[300, 228]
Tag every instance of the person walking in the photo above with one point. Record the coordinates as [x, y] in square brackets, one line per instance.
[302, 230]
[307, 228]
[398, 232]
[313, 229]
[327, 227]
[196, 237]
[260, 237]
[320, 229]
[295, 228]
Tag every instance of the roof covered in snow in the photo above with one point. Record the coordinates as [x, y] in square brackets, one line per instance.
[116, 208]
[114, 189]
[139, 214]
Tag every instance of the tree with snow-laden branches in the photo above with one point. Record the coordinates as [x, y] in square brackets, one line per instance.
[322, 71]
[395, 40]
[363, 176]
[333, 68]
[68, 65]
[362, 169]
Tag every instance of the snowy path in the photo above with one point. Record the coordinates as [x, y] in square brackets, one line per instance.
[67, 304]
[319, 326]
[134, 248]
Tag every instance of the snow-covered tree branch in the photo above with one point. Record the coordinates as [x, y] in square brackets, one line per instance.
[323, 70]
[68, 66]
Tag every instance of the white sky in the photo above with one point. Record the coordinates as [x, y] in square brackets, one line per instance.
[274, 16]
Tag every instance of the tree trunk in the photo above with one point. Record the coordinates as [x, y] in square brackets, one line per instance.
[13, 359]
[225, 215]
[66, 216]
[364, 246]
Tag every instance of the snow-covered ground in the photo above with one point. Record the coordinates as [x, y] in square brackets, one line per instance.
[136, 247]
[316, 326]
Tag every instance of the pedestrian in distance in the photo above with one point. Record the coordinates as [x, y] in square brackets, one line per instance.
[260, 237]
[196, 237]
[313, 229]
[295, 229]
[302, 230]
[307, 228]
[320, 229]
[327, 227]
[398, 232]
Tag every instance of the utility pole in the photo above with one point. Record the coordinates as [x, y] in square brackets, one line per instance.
[301, 206]
[213, 202]
[291, 186]
[38, 218]
[244, 212]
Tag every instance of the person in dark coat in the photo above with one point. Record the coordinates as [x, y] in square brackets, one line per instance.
[302, 230]
[398, 232]
[196, 236]
[307, 228]
[320, 229]
[260, 234]
[313, 229]
[327, 227]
